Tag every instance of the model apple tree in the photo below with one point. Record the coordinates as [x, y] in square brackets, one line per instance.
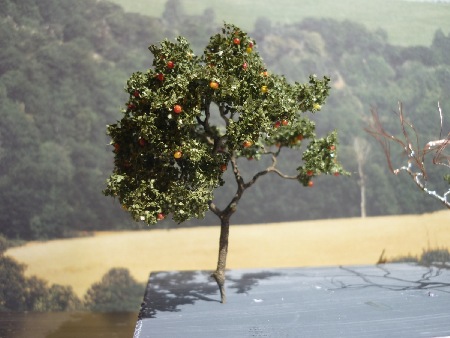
[190, 118]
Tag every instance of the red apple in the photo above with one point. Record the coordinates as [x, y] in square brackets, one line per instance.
[236, 41]
[310, 184]
[336, 173]
[170, 64]
[299, 137]
[247, 144]
[223, 167]
[131, 106]
[160, 216]
[136, 93]
[310, 173]
[160, 77]
[332, 147]
[250, 44]
[245, 66]
[116, 147]
[285, 122]
[177, 109]
[277, 124]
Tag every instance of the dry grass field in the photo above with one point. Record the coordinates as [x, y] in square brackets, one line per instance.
[79, 262]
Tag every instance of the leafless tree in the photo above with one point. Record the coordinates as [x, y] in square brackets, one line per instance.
[416, 154]
[362, 151]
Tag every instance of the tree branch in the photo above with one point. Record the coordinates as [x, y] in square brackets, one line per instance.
[415, 154]
[237, 176]
[271, 169]
[215, 209]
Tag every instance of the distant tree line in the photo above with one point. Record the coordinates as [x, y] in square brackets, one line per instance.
[368, 73]
[117, 291]
[63, 67]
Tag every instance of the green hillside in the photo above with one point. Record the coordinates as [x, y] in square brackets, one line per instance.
[407, 23]
[64, 66]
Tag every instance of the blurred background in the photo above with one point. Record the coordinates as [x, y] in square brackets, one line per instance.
[63, 68]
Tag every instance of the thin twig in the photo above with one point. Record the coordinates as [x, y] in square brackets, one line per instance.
[415, 154]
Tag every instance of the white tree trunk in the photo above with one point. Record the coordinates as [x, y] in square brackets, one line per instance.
[362, 149]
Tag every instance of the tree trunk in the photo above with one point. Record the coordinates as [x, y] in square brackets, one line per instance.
[362, 150]
[363, 193]
[219, 274]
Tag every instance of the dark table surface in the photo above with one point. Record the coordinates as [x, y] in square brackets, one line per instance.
[391, 300]
[67, 324]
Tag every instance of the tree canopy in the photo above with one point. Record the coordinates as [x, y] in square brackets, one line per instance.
[189, 116]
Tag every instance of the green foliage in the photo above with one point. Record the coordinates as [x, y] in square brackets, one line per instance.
[117, 291]
[441, 46]
[20, 293]
[3, 244]
[414, 24]
[56, 298]
[168, 147]
[12, 285]
[63, 64]
[447, 178]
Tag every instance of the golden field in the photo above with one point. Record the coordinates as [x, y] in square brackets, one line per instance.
[79, 262]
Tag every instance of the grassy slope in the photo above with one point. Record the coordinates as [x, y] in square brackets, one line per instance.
[407, 23]
[82, 261]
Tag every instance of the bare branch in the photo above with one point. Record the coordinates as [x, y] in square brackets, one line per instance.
[415, 154]
[440, 158]
[214, 209]
[442, 119]
[255, 178]
[279, 173]
[383, 137]
[271, 169]
[231, 207]
[224, 110]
